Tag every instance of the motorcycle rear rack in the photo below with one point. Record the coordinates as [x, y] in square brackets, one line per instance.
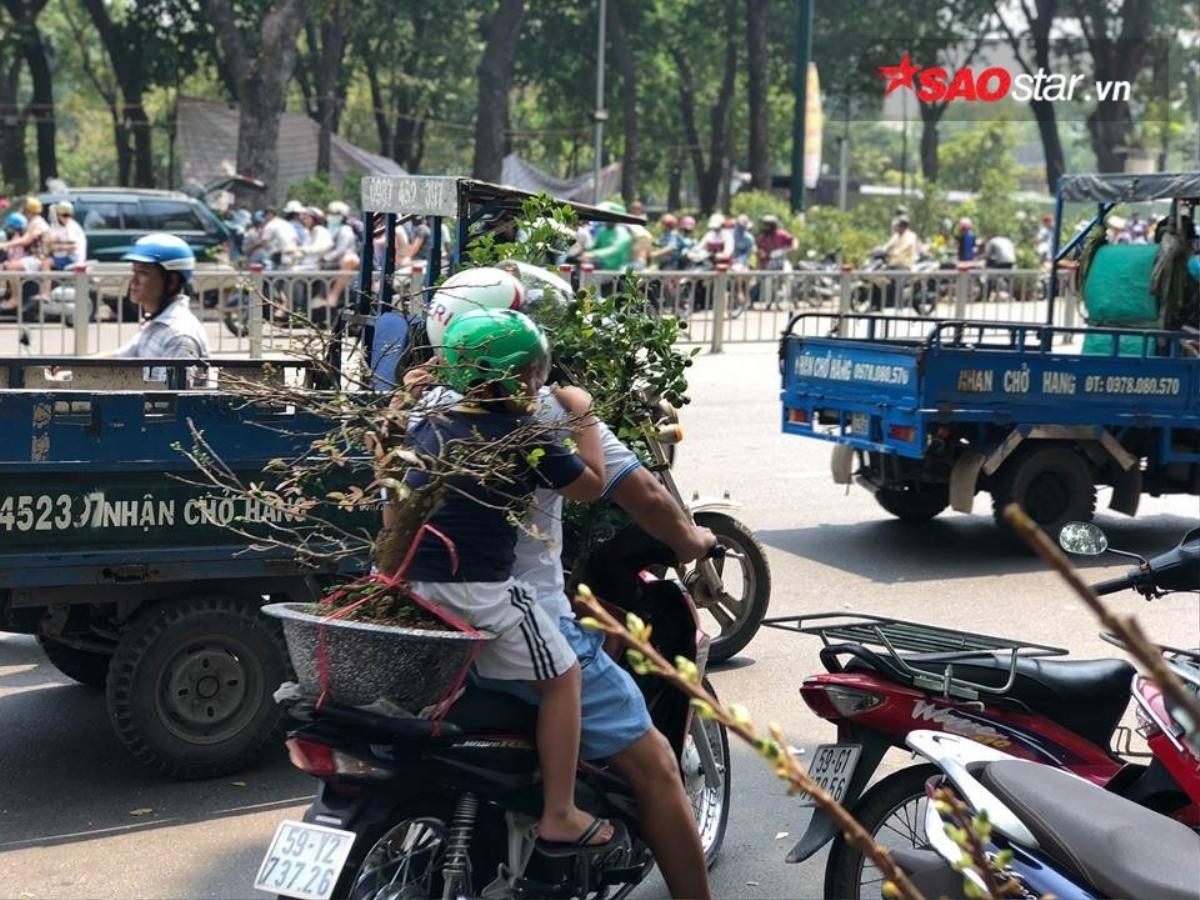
[897, 636]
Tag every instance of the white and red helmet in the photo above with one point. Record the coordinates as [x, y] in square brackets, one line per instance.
[481, 288]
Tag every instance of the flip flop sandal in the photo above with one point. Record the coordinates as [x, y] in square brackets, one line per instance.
[580, 844]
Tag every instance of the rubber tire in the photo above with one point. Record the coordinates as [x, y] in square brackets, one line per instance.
[914, 506]
[710, 855]
[924, 298]
[83, 666]
[727, 646]
[842, 867]
[1026, 465]
[413, 808]
[861, 300]
[150, 641]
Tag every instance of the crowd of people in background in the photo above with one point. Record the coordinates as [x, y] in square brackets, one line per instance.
[726, 240]
[34, 243]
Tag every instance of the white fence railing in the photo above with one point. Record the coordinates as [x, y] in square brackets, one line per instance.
[87, 311]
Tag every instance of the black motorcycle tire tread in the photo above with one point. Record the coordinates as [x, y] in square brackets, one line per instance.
[125, 689]
[727, 646]
[413, 808]
[914, 506]
[860, 298]
[887, 794]
[83, 666]
[1027, 463]
[714, 852]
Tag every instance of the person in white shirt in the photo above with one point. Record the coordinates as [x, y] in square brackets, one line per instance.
[279, 239]
[902, 247]
[68, 243]
[320, 241]
[343, 254]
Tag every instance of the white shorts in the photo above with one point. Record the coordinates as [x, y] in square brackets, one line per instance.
[528, 645]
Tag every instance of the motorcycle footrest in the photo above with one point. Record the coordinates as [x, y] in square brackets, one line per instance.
[622, 875]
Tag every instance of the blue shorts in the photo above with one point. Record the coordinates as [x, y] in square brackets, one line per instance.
[614, 713]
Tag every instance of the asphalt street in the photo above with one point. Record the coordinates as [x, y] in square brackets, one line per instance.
[78, 818]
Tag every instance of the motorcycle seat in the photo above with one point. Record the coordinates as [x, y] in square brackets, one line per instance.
[1113, 844]
[1087, 697]
[483, 711]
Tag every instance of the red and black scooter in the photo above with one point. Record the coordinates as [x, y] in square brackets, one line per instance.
[886, 677]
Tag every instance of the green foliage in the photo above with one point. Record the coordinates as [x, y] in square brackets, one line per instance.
[315, 190]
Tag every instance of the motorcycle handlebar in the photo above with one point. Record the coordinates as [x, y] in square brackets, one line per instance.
[1112, 585]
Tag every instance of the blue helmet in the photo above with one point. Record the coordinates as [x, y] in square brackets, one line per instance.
[16, 222]
[166, 250]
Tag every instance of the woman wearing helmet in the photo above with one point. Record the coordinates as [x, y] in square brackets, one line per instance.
[32, 240]
[162, 267]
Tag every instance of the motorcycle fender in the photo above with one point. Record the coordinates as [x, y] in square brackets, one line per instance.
[822, 829]
[712, 504]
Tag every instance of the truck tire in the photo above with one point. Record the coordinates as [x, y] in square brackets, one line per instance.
[83, 666]
[1054, 485]
[910, 505]
[190, 686]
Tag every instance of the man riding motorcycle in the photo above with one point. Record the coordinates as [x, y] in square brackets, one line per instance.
[616, 723]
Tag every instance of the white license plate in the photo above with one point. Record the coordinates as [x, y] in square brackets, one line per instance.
[831, 768]
[860, 423]
[304, 861]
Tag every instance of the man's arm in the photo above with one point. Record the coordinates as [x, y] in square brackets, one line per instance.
[655, 511]
[586, 434]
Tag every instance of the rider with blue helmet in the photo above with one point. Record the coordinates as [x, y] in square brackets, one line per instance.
[162, 267]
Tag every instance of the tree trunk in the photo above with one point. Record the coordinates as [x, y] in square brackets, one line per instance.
[14, 167]
[675, 185]
[383, 124]
[931, 115]
[502, 32]
[710, 184]
[1052, 150]
[1038, 26]
[757, 16]
[333, 44]
[24, 14]
[626, 65]
[1114, 59]
[262, 79]
[143, 144]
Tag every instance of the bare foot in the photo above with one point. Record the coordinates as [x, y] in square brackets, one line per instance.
[571, 828]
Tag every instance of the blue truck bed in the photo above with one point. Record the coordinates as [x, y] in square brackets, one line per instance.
[882, 394]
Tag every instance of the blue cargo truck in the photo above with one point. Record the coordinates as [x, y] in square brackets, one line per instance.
[130, 570]
[927, 413]
[926, 423]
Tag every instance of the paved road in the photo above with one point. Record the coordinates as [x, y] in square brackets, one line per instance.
[79, 819]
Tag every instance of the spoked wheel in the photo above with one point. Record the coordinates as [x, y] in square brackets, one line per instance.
[860, 298]
[405, 863]
[731, 615]
[708, 791]
[893, 813]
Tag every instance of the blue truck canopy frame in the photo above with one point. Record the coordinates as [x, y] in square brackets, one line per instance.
[1107, 191]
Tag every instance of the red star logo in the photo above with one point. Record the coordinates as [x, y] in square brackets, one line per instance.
[899, 76]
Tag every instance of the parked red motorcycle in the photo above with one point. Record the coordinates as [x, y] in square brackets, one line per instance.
[887, 677]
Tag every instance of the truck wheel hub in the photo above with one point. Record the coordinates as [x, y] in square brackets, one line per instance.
[204, 693]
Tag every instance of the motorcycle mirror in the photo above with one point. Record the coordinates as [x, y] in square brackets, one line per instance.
[1083, 539]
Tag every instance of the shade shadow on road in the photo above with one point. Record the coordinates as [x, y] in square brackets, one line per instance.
[68, 778]
[889, 551]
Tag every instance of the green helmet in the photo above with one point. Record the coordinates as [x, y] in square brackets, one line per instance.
[491, 346]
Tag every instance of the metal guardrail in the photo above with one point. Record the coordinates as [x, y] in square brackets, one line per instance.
[86, 311]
